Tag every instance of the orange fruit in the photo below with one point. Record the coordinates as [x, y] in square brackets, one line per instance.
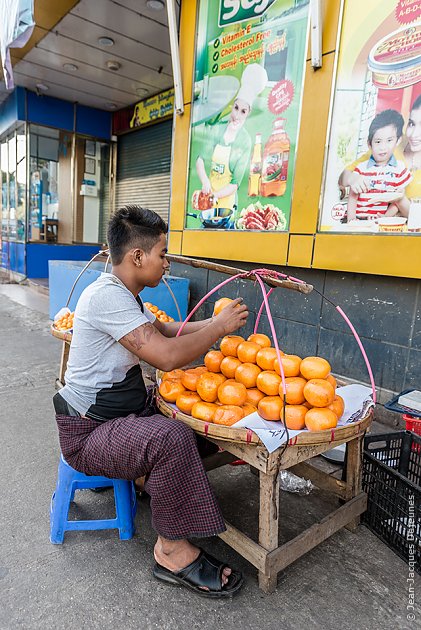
[190, 378]
[254, 396]
[332, 380]
[248, 408]
[314, 367]
[247, 351]
[338, 406]
[213, 360]
[207, 386]
[229, 345]
[173, 375]
[295, 390]
[307, 404]
[204, 411]
[270, 408]
[295, 417]
[229, 366]
[232, 393]
[268, 382]
[265, 358]
[318, 392]
[186, 400]
[200, 369]
[261, 339]
[220, 304]
[170, 389]
[290, 363]
[228, 414]
[319, 419]
[247, 373]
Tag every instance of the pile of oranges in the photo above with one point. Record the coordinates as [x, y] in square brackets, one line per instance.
[65, 322]
[159, 314]
[244, 376]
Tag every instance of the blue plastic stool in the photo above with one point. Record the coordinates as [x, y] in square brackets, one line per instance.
[70, 480]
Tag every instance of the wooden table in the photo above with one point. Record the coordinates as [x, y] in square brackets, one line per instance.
[266, 554]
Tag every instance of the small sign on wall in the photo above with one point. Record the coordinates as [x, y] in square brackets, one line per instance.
[89, 191]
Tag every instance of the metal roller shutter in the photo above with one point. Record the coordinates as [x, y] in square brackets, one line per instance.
[143, 168]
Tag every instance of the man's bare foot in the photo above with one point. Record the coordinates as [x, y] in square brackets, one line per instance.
[175, 555]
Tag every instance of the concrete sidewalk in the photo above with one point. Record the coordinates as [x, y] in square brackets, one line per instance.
[94, 580]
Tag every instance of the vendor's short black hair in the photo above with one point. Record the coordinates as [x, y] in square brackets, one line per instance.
[383, 119]
[133, 226]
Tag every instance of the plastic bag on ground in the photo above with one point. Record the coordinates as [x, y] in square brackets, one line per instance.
[291, 483]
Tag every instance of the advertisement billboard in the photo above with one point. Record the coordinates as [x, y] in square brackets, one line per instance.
[249, 68]
[373, 168]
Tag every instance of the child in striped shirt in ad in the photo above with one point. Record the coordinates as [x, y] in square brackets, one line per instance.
[385, 176]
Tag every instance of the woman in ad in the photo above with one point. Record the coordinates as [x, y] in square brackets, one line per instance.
[228, 146]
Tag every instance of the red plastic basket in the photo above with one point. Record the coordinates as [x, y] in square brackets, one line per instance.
[413, 424]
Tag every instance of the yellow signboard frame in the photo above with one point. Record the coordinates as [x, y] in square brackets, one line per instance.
[302, 246]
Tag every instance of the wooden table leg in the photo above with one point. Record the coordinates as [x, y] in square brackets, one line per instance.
[268, 525]
[354, 474]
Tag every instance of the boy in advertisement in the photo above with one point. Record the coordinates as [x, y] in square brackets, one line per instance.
[385, 176]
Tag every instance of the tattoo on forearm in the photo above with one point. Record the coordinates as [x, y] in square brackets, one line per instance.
[140, 336]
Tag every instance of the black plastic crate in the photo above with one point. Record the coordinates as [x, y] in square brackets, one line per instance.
[393, 405]
[392, 481]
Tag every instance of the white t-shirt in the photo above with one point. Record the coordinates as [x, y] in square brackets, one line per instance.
[103, 379]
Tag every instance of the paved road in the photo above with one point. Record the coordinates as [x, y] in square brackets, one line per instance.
[95, 581]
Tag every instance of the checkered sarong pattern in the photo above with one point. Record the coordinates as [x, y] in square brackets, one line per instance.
[164, 450]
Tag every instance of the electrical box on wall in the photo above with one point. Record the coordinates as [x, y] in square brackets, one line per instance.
[88, 190]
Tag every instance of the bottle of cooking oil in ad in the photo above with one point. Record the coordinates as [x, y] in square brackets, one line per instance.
[275, 162]
[255, 167]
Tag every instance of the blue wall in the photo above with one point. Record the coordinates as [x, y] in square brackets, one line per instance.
[13, 256]
[38, 256]
[23, 104]
[46, 110]
[12, 109]
[63, 274]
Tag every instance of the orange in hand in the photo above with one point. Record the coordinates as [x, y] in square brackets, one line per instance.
[295, 417]
[186, 400]
[319, 392]
[247, 373]
[261, 339]
[229, 366]
[213, 360]
[290, 363]
[232, 393]
[314, 367]
[270, 408]
[170, 389]
[247, 351]
[228, 414]
[268, 382]
[207, 386]
[204, 411]
[319, 419]
[229, 345]
[220, 304]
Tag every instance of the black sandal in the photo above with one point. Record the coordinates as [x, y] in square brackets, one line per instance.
[203, 573]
